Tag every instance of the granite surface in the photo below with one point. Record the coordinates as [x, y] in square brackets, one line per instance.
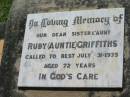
[14, 39]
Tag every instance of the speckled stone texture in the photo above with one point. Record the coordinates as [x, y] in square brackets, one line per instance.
[14, 39]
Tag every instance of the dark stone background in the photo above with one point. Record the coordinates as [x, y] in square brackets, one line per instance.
[14, 35]
[2, 29]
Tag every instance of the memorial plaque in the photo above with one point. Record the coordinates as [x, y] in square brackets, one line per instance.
[73, 49]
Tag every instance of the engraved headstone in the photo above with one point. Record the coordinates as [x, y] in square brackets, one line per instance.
[73, 49]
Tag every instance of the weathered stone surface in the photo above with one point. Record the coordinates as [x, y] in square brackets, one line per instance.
[66, 68]
[14, 39]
